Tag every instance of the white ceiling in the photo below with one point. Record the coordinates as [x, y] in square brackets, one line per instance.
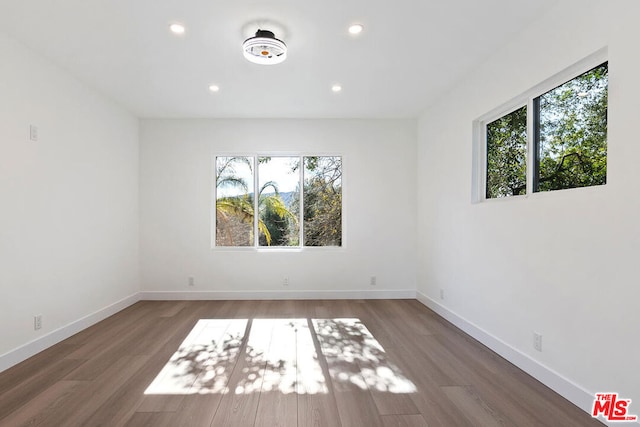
[409, 54]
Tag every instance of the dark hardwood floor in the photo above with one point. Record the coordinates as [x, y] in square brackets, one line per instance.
[276, 363]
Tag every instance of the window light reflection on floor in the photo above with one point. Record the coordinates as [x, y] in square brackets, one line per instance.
[279, 355]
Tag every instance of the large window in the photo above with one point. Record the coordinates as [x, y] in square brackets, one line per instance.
[298, 200]
[554, 138]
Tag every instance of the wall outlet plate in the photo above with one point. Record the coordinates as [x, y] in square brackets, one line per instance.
[537, 341]
[37, 322]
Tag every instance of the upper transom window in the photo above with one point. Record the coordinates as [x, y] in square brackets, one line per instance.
[553, 138]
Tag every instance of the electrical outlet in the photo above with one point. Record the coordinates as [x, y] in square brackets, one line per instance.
[192, 281]
[37, 322]
[537, 341]
[33, 133]
[441, 293]
[373, 281]
[285, 281]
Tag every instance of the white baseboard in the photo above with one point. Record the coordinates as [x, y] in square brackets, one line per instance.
[555, 381]
[29, 349]
[277, 295]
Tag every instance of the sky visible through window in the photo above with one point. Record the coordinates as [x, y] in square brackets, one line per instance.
[278, 169]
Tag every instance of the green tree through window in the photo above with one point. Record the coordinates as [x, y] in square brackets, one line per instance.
[568, 145]
[234, 201]
[507, 155]
[322, 201]
[278, 182]
[571, 133]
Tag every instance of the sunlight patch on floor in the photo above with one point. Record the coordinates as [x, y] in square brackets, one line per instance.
[353, 355]
[203, 361]
[278, 355]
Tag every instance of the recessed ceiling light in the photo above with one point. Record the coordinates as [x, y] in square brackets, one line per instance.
[336, 88]
[177, 28]
[214, 88]
[356, 29]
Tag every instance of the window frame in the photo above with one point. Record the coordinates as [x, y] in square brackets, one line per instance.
[255, 246]
[527, 99]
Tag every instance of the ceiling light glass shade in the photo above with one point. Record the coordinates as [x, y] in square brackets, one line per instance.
[264, 48]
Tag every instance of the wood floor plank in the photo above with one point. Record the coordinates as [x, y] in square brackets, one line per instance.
[316, 400]
[22, 393]
[124, 400]
[490, 377]
[98, 337]
[168, 388]
[388, 385]
[201, 403]
[403, 421]
[325, 371]
[103, 357]
[149, 419]
[278, 404]
[442, 363]
[473, 407]
[121, 403]
[45, 401]
[182, 374]
[33, 366]
[434, 406]
[341, 343]
[439, 369]
[240, 399]
[173, 308]
[210, 309]
[75, 407]
[544, 402]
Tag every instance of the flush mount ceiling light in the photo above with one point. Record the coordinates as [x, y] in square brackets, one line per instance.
[264, 48]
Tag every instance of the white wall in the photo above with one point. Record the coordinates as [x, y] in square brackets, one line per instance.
[379, 208]
[566, 263]
[69, 202]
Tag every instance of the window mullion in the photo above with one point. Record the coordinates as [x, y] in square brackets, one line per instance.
[301, 204]
[531, 146]
[256, 203]
[535, 137]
